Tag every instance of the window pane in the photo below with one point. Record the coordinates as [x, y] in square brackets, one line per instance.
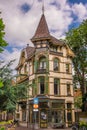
[67, 68]
[57, 116]
[69, 105]
[69, 116]
[68, 90]
[56, 86]
[41, 88]
[42, 85]
[56, 64]
[42, 63]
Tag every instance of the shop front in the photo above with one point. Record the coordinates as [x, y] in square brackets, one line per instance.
[51, 113]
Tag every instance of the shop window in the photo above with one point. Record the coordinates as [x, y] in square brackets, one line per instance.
[56, 64]
[42, 85]
[67, 68]
[56, 86]
[57, 116]
[68, 90]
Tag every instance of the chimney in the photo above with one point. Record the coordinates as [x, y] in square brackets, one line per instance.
[27, 45]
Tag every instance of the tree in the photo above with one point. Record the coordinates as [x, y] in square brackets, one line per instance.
[7, 92]
[78, 102]
[77, 41]
[10, 93]
[3, 43]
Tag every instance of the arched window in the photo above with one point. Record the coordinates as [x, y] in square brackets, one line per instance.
[42, 62]
[56, 64]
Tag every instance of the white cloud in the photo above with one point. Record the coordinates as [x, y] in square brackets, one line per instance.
[8, 56]
[80, 11]
[21, 27]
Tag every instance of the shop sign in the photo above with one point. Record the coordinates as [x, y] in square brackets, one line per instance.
[35, 106]
[35, 109]
[36, 101]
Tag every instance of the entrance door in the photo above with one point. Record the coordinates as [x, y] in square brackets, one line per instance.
[43, 118]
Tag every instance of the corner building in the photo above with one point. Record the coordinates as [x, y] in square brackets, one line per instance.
[48, 69]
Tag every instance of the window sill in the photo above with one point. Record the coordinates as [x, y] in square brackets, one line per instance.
[56, 71]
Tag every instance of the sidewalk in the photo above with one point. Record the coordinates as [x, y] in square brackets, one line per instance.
[25, 128]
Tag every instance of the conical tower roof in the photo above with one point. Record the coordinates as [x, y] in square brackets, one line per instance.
[42, 30]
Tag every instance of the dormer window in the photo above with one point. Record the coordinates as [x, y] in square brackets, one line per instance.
[56, 64]
[53, 48]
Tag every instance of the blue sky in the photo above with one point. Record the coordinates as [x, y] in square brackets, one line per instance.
[21, 19]
[77, 1]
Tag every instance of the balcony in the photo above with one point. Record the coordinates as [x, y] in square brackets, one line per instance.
[41, 71]
[21, 78]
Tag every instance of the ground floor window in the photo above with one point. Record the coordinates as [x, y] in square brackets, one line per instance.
[57, 116]
[69, 116]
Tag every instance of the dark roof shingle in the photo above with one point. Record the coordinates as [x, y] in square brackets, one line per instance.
[30, 51]
[42, 30]
[55, 41]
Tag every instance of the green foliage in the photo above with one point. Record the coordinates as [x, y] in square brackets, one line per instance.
[78, 102]
[21, 90]
[2, 128]
[77, 41]
[7, 92]
[3, 43]
[1, 83]
[83, 123]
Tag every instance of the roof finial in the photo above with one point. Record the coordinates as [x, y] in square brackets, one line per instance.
[42, 6]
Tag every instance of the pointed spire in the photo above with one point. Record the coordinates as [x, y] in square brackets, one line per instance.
[42, 30]
[42, 6]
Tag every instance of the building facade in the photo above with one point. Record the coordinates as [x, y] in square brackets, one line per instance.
[48, 69]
